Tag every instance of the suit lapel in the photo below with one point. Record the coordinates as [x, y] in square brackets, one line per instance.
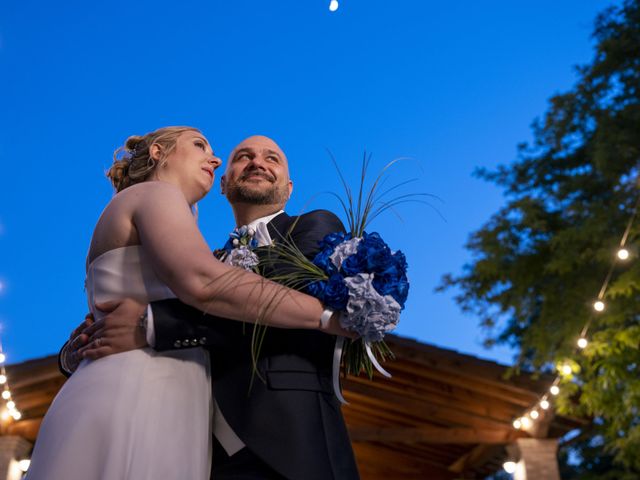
[279, 226]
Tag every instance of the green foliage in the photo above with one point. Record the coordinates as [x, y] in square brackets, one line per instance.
[539, 262]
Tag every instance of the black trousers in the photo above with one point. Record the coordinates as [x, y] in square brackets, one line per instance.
[242, 465]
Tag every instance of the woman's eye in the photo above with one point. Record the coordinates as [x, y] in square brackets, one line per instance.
[201, 145]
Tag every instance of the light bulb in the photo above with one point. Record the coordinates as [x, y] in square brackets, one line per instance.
[5, 415]
[566, 369]
[623, 254]
[534, 414]
[3, 379]
[333, 5]
[582, 342]
[554, 390]
[24, 465]
[598, 306]
[11, 404]
[3, 357]
[510, 467]
[6, 394]
[16, 415]
[517, 424]
[526, 422]
[544, 404]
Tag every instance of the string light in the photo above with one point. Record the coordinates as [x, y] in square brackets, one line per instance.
[333, 5]
[24, 465]
[10, 410]
[623, 254]
[510, 467]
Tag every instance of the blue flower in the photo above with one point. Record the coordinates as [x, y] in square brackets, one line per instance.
[323, 260]
[392, 280]
[316, 289]
[333, 239]
[336, 293]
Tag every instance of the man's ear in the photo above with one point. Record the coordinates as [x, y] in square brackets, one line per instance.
[290, 187]
[223, 183]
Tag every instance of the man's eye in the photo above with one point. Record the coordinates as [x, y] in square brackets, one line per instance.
[272, 158]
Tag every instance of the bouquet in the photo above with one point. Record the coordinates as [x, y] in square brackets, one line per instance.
[355, 273]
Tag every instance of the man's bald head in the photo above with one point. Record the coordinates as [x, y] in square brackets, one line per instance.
[257, 173]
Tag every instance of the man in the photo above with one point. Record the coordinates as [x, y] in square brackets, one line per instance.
[281, 421]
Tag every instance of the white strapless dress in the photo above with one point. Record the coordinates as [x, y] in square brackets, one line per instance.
[139, 415]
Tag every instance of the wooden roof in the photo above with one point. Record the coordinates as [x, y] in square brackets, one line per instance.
[443, 414]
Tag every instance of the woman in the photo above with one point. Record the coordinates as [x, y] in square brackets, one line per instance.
[104, 423]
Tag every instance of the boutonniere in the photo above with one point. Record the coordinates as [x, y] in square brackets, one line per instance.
[239, 249]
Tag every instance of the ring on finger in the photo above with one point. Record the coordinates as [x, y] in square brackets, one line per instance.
[98, 341]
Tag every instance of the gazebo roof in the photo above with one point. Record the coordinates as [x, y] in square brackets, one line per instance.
[442, 415]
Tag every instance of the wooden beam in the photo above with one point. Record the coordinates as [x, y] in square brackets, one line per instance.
[471, 402]
[419, 410]
[381, 461]
[434, 435]
[477, 456]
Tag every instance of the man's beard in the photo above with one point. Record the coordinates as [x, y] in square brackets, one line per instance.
[274, 195]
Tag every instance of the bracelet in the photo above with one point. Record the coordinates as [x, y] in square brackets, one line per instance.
[325, 317]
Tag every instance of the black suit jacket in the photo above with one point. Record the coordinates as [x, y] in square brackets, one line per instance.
[290, 417]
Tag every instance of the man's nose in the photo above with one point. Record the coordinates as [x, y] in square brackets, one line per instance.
[257, 162]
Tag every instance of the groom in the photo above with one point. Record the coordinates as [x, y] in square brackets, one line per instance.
[286, 423]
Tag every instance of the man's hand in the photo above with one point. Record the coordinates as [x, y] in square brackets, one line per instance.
[70, 358]
[119, 330]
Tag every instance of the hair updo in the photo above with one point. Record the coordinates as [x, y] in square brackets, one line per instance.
[133, 163]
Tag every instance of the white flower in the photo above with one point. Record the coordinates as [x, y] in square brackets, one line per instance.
[369, 314]
[343, 251]
[242, 257]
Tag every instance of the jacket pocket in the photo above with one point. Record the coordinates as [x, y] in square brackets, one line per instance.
[296, 380]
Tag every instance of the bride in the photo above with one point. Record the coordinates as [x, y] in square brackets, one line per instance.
[142, 414]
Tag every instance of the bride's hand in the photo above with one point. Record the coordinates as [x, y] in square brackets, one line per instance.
[118, 330]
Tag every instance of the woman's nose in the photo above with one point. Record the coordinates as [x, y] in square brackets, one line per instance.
[215, 161]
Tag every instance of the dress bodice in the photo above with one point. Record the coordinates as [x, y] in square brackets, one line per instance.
[124, 272]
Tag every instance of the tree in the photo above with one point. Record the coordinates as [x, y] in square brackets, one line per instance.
[539, 262]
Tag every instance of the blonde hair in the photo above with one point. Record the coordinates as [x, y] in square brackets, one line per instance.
[133, 163]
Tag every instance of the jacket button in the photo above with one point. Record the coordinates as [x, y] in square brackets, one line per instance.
[194, 342]
[185, 343]
[203, 340]
[177, 344]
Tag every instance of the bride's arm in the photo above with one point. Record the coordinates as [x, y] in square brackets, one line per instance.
[183, 260]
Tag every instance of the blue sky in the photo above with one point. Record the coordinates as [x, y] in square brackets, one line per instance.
[452, 85]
